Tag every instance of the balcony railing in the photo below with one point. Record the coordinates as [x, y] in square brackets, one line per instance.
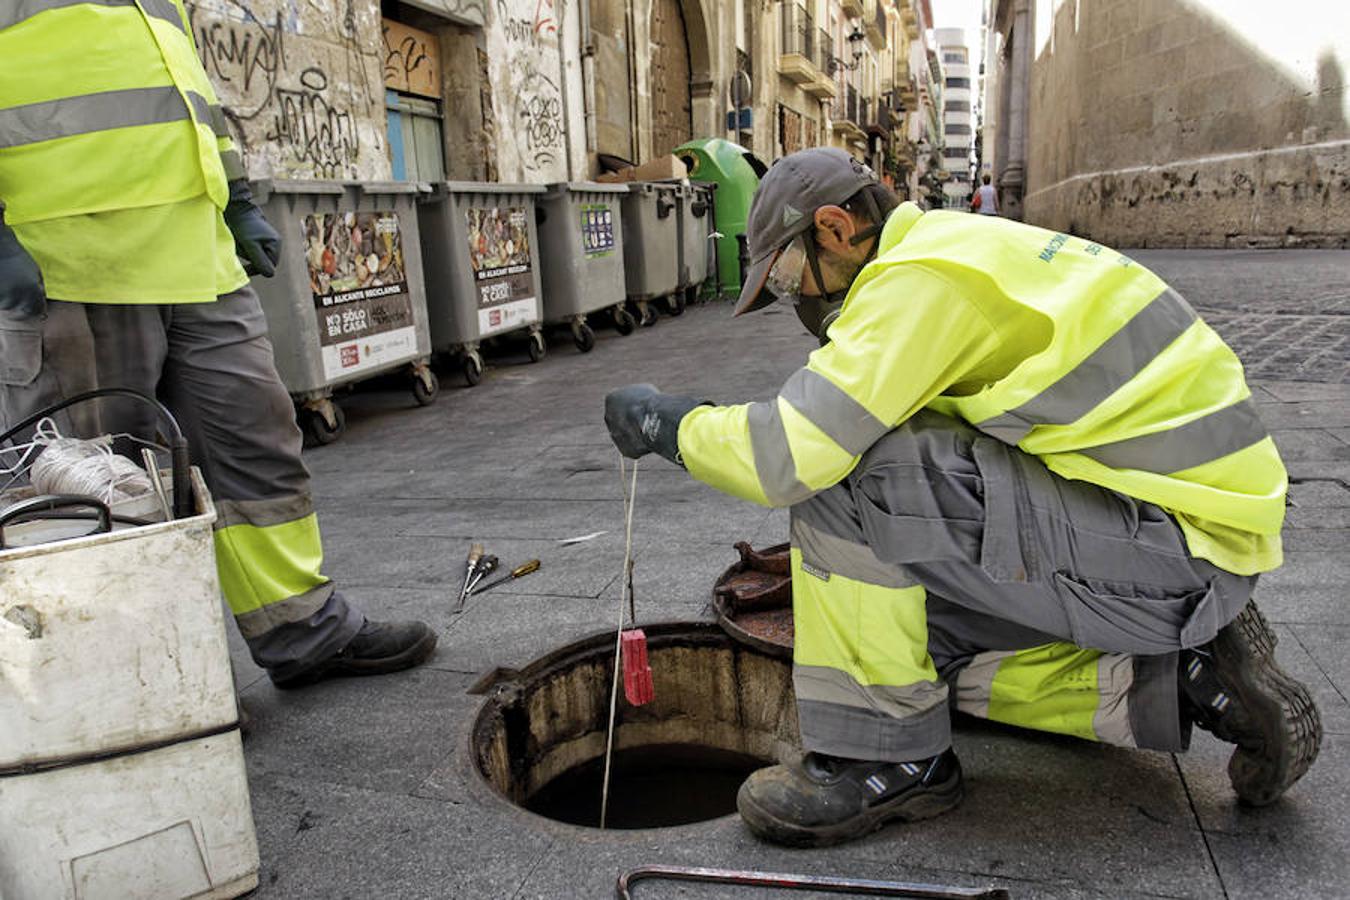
[824, 51]
[799, 31]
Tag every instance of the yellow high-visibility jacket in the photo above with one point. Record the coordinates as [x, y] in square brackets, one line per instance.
[1051, 343]
[114, 155]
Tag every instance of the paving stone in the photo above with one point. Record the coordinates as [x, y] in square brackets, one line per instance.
[1295, 848]
[1305, 414]
[320, 839]
[1311, 444]
[1319, 495]
[1325, 646]
[1296, 391]
[1335, 539]
[384, 733]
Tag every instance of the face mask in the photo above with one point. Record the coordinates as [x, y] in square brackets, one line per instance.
[818, 313]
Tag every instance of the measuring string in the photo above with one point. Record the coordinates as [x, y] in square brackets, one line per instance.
[625, 587]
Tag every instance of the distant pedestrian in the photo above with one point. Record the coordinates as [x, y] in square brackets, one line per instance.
[985, 201]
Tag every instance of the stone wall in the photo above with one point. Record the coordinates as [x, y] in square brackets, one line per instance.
[302, 84]
[1190, 123]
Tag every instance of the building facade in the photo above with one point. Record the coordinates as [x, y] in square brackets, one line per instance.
[958, 115]
[1204, 123]
[538, 91]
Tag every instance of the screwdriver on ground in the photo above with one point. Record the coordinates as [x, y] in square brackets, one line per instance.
[475, 554]
[520, 570]
[486, 566]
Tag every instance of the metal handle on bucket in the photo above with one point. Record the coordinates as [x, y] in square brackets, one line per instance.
[52, 502]
[178, 447]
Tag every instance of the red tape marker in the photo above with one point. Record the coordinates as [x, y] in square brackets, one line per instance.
[637, 674]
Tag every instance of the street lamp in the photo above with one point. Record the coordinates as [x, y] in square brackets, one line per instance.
[855, 39]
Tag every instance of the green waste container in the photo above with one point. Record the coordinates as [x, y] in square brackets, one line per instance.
[347, 302]
[736, 172]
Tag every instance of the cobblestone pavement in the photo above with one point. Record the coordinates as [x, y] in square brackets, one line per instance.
[1285, 312]
[366, 788]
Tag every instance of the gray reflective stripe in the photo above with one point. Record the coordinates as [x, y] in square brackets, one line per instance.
[233, 164]
[259, 621]
[1105, 371]
[217, 119]
[89, 113]
[833, 411]
[975, 682]
[840, 557]
[163, 9]
[15, 11]
[773, 457]
[1115, 678]
[1182, 447]
[839, 716]
[201, 109]
[263, 513]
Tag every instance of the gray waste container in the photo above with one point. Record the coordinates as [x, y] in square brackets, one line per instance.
[481, 251]
[581, 256]
[695, 215]
[347, 301]
[651, 244]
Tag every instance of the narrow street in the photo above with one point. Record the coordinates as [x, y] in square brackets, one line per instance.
[365, 788]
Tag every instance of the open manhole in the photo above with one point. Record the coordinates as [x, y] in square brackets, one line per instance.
[721, 710]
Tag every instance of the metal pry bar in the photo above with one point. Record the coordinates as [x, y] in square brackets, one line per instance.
[822, 883]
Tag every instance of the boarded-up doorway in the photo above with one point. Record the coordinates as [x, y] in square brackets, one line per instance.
[672, 121]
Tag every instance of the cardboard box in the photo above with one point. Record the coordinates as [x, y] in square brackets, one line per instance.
[659, 169]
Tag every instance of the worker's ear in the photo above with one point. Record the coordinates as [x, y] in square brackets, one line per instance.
[834, 229]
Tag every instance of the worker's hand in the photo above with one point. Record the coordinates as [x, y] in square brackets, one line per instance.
[641, 419]
[255, 240]
[21, 290]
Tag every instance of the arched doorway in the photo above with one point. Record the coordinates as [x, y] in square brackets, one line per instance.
[672, 111]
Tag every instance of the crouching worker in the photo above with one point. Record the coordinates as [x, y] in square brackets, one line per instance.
[1025, 478]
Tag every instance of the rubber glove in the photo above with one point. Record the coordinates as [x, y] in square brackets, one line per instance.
[21, 290]
[255, 240]
[643, 420]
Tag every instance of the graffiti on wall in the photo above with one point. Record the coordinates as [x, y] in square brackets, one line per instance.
[411, 60]
[299, 98]
[530, 102]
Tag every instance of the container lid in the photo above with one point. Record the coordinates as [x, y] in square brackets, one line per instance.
[592, 187]
[264, 187]
[386, 187]
[491, 187]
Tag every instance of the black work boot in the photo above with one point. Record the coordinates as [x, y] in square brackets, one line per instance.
[378, 648]
[1233, 687]
[815, 800]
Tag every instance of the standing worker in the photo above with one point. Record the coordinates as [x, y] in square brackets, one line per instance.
[1020, 469]
[124, 206]
[986, 198]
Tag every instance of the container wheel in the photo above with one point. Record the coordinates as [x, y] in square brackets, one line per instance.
[675, 303]
[425, 387]
[584, 337]
[538, 347]
[472, 367]
[317, 429]
[648, 315]
[624, 323]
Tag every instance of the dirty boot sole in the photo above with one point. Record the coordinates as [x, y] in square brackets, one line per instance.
[1279, 708]
[912, 806]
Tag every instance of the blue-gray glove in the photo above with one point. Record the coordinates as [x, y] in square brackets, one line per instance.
[21, 289]
[255, 240]
[641, 420]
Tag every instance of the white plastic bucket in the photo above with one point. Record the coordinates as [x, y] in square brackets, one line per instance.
[119, 749]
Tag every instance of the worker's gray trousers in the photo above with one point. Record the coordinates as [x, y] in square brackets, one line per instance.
[212, 366]
[949, 560]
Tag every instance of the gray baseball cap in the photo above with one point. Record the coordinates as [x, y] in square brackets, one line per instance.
[785, 206]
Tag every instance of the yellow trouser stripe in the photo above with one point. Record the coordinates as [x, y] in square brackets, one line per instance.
[878, 635]
[263, 566]
[1052, 687]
